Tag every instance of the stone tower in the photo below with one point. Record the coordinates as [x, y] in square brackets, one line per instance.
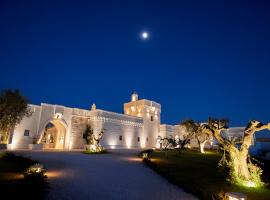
[150, 112]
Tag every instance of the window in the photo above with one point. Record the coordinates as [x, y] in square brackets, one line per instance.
[152, 118]
[138, 139]
[120, 137]
[26, 132]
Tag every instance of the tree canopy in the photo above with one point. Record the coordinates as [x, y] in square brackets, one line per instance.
[13, 107]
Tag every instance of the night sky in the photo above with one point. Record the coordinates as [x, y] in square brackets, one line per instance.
[201, 58]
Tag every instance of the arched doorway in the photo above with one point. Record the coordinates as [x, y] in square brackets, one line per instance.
[53, 136]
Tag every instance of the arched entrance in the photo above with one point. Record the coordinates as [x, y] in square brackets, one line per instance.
[53, 136]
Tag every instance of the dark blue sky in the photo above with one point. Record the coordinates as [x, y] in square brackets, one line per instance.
[202, 58]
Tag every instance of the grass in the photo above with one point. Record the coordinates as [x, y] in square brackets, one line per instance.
[199, 174]
[13, 184]
[95, 152]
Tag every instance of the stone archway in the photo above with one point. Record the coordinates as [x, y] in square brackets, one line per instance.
[53, 134]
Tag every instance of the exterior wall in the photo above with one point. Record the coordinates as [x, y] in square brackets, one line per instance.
[166, 130]
[234, 132]
[19, 141]
[176, 130]
[149, 111]
[114, 124]
[172, 130]
[72, 122]
[139, 127]
[36, 123]
[48, 114]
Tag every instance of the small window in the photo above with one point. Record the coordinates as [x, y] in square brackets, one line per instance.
[138, 139]
[120, 137]
[152, 118]
[26, 132]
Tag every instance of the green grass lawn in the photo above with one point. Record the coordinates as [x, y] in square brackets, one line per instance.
[199, 174]
[13, 185]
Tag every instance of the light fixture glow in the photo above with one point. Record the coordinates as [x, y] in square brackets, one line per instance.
[235, 196]
[145, 156]
[250, 184]
[35, 169]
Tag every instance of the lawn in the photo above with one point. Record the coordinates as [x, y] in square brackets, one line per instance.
[199, 174]
[13, 185]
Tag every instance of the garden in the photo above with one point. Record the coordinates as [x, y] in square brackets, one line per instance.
[199, 174]
[228, 170]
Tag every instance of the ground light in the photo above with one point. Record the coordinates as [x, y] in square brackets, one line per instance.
[35, 170]
[235, 196]
[145, 156]
[250, 184]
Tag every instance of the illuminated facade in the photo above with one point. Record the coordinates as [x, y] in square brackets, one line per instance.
[138, 127]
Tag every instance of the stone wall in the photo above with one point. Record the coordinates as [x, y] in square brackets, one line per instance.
[114, 126]
[20, 140]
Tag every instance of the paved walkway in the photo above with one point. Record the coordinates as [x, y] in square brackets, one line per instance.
[119, 175]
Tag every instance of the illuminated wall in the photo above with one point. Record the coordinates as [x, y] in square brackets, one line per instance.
[116, 126]
[138, 127]
[149, 112]
[19, 141]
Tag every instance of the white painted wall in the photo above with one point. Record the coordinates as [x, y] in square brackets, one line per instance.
[74, 120]
[19, 141]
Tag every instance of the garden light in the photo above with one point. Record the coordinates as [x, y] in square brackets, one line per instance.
[36, 169]
[145, 156]
[235, 196]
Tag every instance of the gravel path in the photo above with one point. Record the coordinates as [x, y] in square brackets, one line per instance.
[119, 175]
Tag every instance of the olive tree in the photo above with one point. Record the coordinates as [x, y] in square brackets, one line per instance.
[13, 107]
[166, 142]
[242, 170]
[178, 142]
[88, 135]
[93, 140]
[194, 130]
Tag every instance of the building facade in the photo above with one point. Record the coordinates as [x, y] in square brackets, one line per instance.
[60, 127]
[138, 127]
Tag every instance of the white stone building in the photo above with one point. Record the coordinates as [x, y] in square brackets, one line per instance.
[138, 127]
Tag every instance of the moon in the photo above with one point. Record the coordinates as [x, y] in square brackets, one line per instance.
[145, 35]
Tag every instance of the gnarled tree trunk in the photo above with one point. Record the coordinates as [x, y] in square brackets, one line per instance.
[238, 158]
[238, 163]
[201, 145]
